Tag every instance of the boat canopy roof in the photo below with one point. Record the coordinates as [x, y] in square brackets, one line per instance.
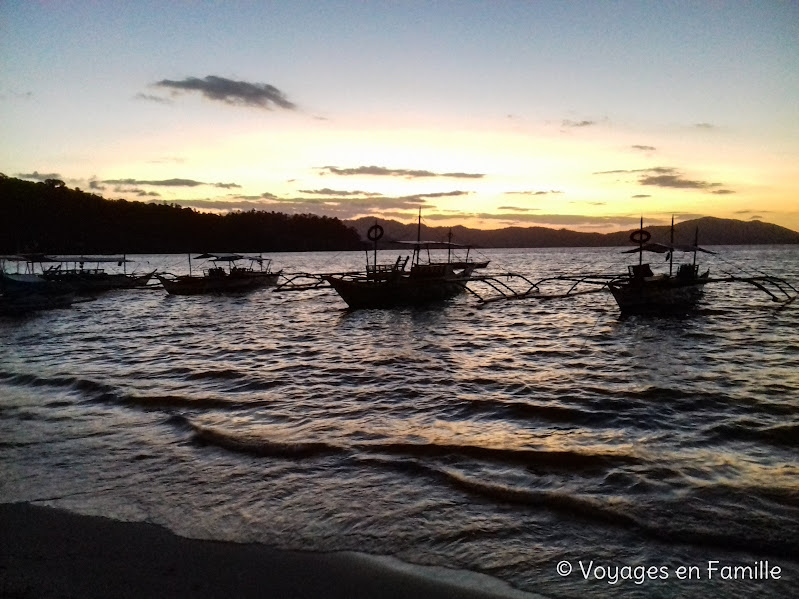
[230, 257]
[662, 248]
[434, 244]
[44, 258]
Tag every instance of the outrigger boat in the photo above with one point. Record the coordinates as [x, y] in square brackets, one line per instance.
[21, 293]
[216, 279]
[82, 274]
[397, 284]
[640, 290]
[643, 291]
[78, 272]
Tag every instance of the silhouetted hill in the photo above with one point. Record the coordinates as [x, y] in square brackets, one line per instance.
[712, 231]
[49, 217]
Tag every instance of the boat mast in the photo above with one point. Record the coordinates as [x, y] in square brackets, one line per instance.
[696, 243]
[374, 256]
[189, 263]
[671, 249]
[449, 246]
[418, 247]
[641, 243]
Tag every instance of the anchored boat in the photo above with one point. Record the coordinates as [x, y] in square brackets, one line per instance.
[235, 279]
[391, 285]
[643, 291]
[640, 290]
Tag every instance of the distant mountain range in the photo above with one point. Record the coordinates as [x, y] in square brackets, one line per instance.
[712, 231]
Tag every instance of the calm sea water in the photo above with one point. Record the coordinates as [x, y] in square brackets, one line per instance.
[505, 440]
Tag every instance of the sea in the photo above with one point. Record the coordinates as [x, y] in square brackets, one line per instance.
[553, 445]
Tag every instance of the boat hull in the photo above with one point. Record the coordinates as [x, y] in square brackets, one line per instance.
[234, 283]
[658, 297]
[358, 294]
[99, 281]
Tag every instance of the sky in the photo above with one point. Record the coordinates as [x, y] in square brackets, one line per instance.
[568, 114]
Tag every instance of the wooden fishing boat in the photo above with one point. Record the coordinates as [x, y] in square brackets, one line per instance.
[236, 279]
[85, 275]
[643, 291]
[392, 285]
[21, 293]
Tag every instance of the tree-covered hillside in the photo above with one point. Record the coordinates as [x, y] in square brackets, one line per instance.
[49, 217]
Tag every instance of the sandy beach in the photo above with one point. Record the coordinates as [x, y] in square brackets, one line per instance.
[49, 553]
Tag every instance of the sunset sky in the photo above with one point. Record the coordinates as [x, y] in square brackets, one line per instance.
[584, 115]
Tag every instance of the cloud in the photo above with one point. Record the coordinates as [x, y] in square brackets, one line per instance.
[563, 220]
[644, 148]
[151, 98]
[441, 194]
[675, 181]
[641, 195]
[342, 206]
[517, 208]
[335, 192]
[577, 124]
[239, 93]
[704, 126]
[668, 176]
[168, 183]
[37, 176]
[532, 193]
[164, 183]
[382, 171]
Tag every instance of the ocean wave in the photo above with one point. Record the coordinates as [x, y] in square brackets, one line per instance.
[781, 435]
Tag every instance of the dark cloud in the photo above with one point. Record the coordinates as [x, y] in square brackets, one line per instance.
[335, 192]
[722, 192]
[517, 209]
[577, 124]
[37, 176]
[560, 219]
[164, 183]
[240, 93]
[389, 172]
[441, 194]
[675, 181]
[151, 98]
[660, 170]
[641, 195]
[668, 176]
[532, 193]
[169, 183]
[644, 148]
[344, 207]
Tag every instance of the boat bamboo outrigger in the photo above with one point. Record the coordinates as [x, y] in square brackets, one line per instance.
[642, 291]
[408, 281]
[390, 285]
[218, 280]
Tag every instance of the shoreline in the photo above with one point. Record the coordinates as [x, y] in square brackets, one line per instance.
[47, 552]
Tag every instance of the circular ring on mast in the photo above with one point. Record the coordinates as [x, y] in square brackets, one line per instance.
[374, 233]
[641, 236]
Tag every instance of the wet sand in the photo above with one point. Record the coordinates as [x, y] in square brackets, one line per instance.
[49, 553]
